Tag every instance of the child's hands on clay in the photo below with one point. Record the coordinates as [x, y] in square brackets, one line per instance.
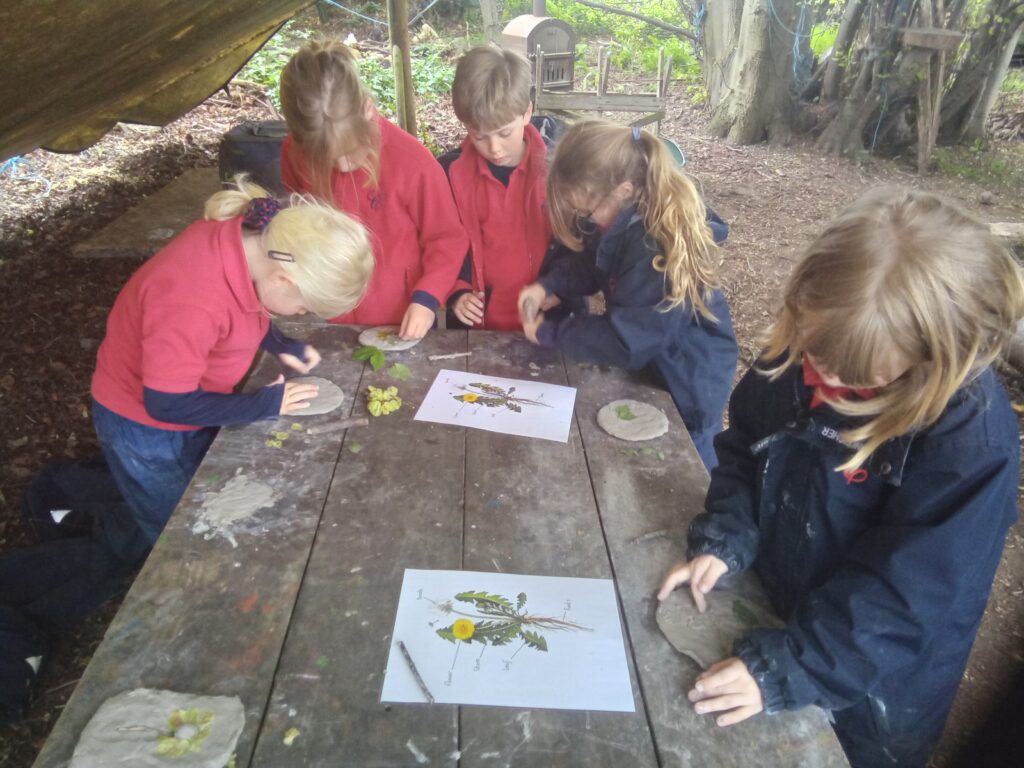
[703, 572]
[311, 360]
[416, 322]
[531, 301]
[727, 687]
[469, 307]
[296, 395]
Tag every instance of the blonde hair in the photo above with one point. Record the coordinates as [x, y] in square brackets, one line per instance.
[325, 105]
[491, 87]
[333, 257]
[900, 275]
[593, 158]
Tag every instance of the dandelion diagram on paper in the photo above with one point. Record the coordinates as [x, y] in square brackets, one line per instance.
[509, 406]
[513, 640]
[493, 621]
[484, 395]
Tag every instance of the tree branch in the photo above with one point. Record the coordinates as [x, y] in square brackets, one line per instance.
[647, 19]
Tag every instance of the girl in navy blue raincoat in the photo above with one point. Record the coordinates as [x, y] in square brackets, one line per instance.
[643, 237]
[869, 475]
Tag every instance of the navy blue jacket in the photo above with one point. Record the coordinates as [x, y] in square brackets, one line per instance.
[882, 576]
[695, 357]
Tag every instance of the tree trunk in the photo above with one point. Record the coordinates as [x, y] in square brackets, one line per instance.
[490, 10]
[981, 70]
[749, 60]
[852, 15]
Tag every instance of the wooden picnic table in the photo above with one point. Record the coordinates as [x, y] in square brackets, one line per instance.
[294, 615]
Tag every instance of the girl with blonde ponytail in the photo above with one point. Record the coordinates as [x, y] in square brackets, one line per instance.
[648, 242]
[869, 474]
[340, 149]
[185, 329]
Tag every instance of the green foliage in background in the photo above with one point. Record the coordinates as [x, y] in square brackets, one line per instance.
[264, 68]
[432, 70]
[823, 37]
[1013, 82]
[633, 43]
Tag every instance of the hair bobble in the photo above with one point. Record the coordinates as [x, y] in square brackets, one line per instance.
[636, 134]
[259, 213]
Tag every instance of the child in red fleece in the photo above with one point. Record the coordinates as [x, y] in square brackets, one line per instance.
[498, 183]
[340, 149]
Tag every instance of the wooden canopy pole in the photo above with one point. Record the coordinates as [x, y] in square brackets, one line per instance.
[405, 97]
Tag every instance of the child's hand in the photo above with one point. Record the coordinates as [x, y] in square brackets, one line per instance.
[469, 307]
[531, 301]
[417, 321]
[530, 326]
[312, 359]
[727, 687]
[296, 395]
[703, 572]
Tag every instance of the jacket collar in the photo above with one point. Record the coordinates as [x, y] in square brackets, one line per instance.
[535, 148]
[607, 242]
[823, 425]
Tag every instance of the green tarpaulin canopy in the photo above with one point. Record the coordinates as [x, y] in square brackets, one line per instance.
[73, 68]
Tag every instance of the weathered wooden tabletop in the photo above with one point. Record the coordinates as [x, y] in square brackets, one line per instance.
[295, 616]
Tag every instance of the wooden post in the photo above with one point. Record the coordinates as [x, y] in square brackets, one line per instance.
[931, 44]
[405, 96]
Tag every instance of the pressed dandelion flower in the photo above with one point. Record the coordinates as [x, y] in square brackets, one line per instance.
[189, 727]
[463, 629]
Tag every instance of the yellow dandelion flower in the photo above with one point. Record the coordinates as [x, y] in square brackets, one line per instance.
[470, 398]
[463, 629]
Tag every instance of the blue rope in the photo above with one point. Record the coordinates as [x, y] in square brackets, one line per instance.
[17, 169]
[801, 60]
[885, 103]
[698, 20]
[414, 18]
[775, 15]
[356, 13]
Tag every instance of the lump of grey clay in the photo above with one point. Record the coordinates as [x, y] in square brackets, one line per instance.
[126, 731]
[329, 397]
[386, 338]
[632, 420]
[708, 637]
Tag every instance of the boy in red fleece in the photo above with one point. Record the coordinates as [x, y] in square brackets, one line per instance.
[498, 181]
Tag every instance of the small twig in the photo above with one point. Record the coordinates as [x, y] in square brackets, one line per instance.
[62, 685]
[660, 534]
[452, 356]
[415, 672]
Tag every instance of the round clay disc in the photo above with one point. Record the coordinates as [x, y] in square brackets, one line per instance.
[385, 337]
[329, 397]
[632, 420]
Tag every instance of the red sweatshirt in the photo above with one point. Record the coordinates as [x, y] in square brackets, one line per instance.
[418, 241]
[508, 227]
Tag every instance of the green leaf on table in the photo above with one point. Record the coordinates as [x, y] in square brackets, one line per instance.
[355, 447]
[373, 355]
[399, 371]
[624, 413]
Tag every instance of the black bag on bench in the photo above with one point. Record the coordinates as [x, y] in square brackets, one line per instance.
[254, 147]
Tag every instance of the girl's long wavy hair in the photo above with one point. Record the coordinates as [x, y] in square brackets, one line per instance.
[593, 158]
[325, 105]
[899, 276]
[333, 257]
